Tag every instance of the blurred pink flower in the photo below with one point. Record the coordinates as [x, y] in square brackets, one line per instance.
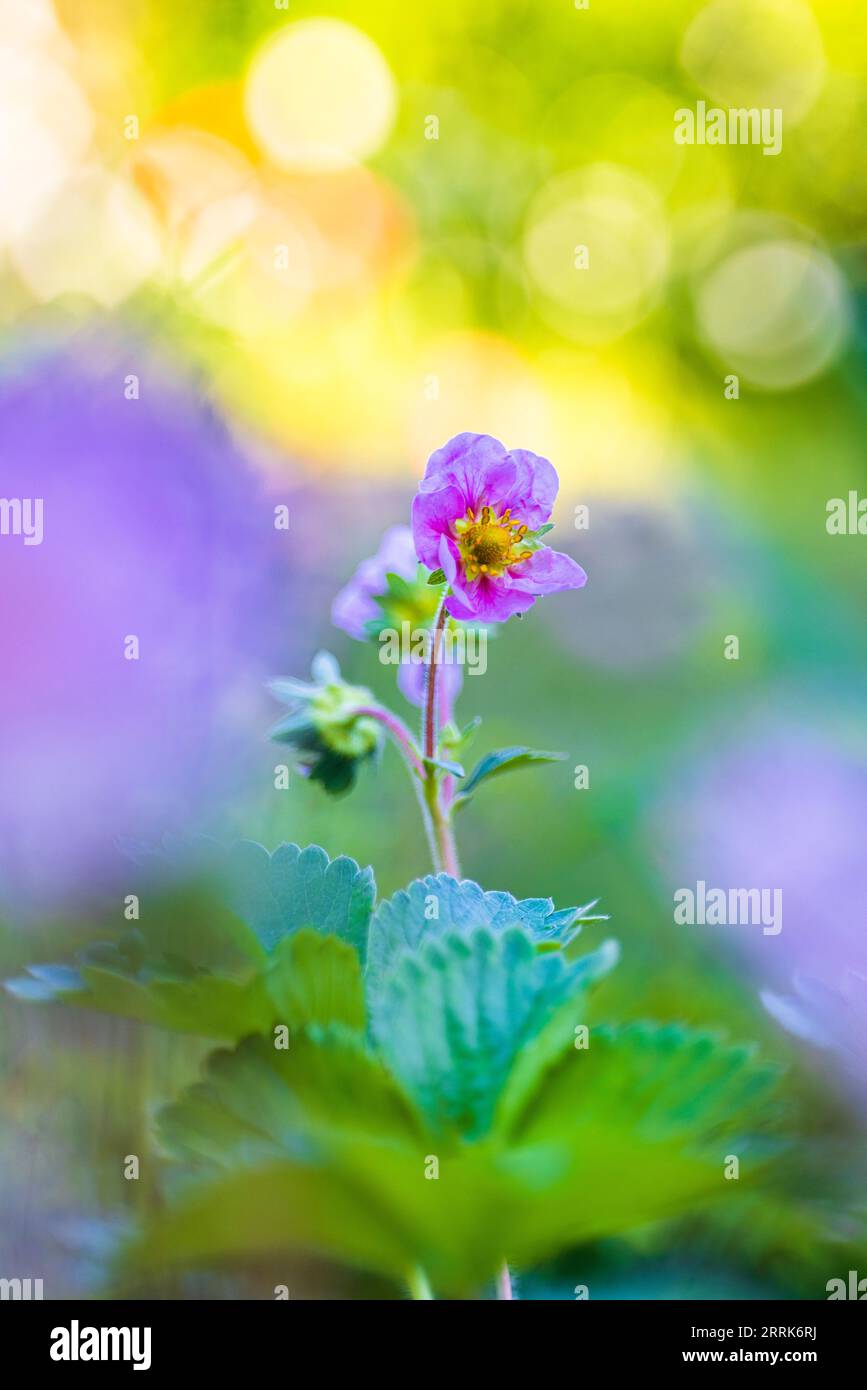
[356, 606]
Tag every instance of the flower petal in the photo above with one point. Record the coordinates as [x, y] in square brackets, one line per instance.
[460, 458]
[547, 572]
[535, 489]
[489, 601]
[354, 605]
[475, 470]
[352, 608]
[432, 516]
[448, 557]
[477, 464]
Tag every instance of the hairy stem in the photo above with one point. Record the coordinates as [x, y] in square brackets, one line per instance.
[408, 750]
[504, 1282]
[398, 731]
[445, 854]
[432, 684]
[445, 851]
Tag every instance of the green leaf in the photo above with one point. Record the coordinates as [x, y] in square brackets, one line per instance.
[432, 906]
[310, 978]
[325, 669]
[404, 600]
[451, 1018]
[398, 588]
[661, 1081]
[265, 1211]
[456, 741]
[316, 1149]
[438, 577]
[262, 1101]
[316, 979]
[292, 888]
[635, 1128]
[212, 1006]
[453, 769]
[504, 760]
[289, 1126]
[288, 690]
[335, 773]
[296, 728]
[538, 533]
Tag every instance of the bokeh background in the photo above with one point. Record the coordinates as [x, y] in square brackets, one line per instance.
[254, 256]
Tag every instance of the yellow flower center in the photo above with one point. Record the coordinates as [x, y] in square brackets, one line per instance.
[491, 542]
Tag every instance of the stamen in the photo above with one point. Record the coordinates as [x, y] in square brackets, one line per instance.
[489, 541]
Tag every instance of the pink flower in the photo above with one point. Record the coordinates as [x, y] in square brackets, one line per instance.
[356, 604]
[358, 609]
[476, 516]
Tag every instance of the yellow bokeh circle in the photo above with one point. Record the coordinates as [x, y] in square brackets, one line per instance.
[319, 95]
[756, 53]
[776, 312]
[596, 248]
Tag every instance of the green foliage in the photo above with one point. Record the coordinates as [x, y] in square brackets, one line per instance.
[456, 741]
[212, 1006]
[533, 536]
[291, 888]
[656, 1082]
[453, 1016]
[318, 1149]
[308, 979]
[277, 1103]
[431, 906]
[315, 979]
[403, 601]
[500, 761]
[297, 958]
[326, 728]
[444, 765]
[443, 1108]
